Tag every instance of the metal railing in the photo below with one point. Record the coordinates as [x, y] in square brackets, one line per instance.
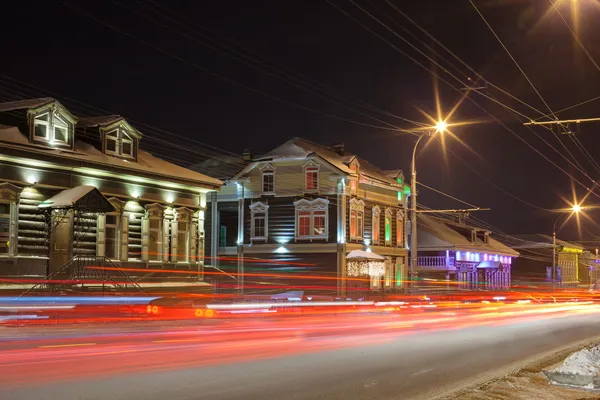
[82, 273]
[440, 263]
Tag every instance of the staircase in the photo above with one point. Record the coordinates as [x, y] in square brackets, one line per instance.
[85, 274]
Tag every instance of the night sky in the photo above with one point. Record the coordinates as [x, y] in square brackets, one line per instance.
[152, 62]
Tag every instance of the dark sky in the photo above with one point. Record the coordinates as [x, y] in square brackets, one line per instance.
[152, 62]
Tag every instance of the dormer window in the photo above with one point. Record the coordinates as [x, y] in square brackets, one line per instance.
[119, 143]
[51, 127]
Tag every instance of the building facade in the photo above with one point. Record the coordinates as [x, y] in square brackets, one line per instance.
[464, 256]
[290, 217]
[73, 186]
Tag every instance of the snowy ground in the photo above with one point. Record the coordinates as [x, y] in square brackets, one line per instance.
[529, 383]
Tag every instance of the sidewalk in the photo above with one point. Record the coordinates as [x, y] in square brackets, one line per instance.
[529, 382]
[7, 289]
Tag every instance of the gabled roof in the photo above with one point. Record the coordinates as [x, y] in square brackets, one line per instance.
[222, 167]
[25, 104]
[83, 198]
[298, 148]
[106, 121]
[436, 234]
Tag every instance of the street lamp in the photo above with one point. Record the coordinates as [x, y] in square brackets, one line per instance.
[575, 209]
[440, 127]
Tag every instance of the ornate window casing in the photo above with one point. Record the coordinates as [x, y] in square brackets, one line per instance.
[399, 228]
[376, 222]
[152, 236]
[181, 228]
[357, 218]
[9, 197]
[268, 179]
[311, 177]
[259, 221]
[312, 219]
[388, 226]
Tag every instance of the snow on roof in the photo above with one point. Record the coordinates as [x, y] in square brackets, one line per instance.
[25, 104]
[537, 241]
[88, 198]
[302, 148]
[363, 255]
[445, 237]
[98, 121]
[147, 163]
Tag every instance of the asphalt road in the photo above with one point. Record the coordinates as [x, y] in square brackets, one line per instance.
[340, 360]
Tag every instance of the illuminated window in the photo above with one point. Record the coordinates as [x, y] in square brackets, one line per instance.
[311, 179]
[180, 236]
[52, 127]
[388, 226]
[259, 221]
[311, 219]
[357, 217]
[304, 223]
[399, 228]
[376, 224]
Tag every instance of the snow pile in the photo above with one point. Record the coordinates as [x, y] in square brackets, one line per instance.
[583, 362]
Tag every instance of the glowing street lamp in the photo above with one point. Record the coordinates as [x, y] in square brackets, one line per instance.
[574, 210]
[440, 127]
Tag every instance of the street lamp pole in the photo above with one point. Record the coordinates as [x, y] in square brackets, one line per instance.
[413, 212]
[440, 127]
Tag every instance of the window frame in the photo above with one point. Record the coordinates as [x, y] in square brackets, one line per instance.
[311, 169]
[9, 217]
[388, 223]
[376, 225]
[117, 226]
[400, 239]
[316, 208]
[259, 210]
[357, 224]
[54, 121]
[120, 136]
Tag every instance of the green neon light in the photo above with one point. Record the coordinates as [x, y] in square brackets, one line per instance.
[407, 190]
[388, 230]
[399, 196]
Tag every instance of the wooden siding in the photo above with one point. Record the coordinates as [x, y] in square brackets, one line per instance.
[289, 179]
[377, 194]
[282, 219]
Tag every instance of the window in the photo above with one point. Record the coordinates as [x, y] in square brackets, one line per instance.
[112, 236]
[357, 217]
[268, 182]
[376, 224]
[119, 143]
[259, 221]
[4, 228]
[155, 239]
[399, 228]
[52, 127]
[388, 226]
[183, 241]
[180, 235]
[311, 175]
[311, 219]
[304, 223]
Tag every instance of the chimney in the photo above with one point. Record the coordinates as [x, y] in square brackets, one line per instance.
[338, 148]
[248, 156]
